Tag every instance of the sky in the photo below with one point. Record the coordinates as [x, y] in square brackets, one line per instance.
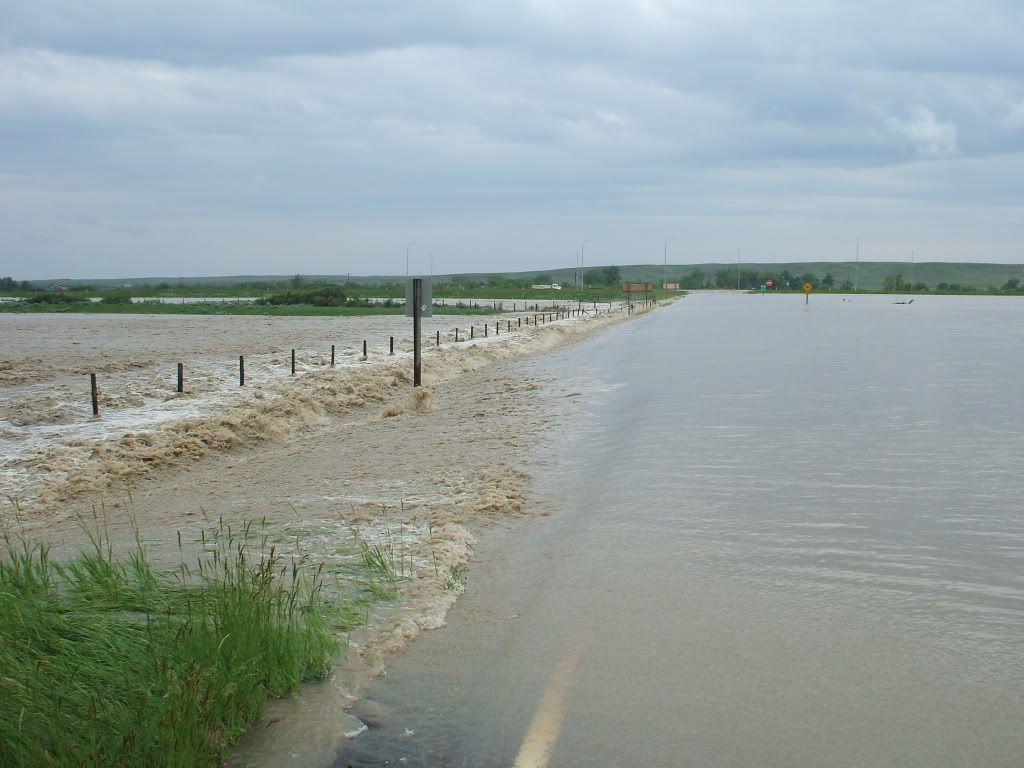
[222, 137]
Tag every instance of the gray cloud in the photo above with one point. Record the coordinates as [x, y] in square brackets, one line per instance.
[267, 136]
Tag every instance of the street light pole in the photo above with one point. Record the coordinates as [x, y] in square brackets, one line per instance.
[581, 262]
[410, 245]
[856, 268]
[665, 281]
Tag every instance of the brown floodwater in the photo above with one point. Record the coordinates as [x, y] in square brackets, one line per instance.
[783, 536]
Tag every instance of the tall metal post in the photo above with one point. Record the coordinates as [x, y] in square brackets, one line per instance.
[856, 268]
[417, 292]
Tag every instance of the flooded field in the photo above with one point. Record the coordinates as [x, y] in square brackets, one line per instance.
[51, 446]
[325, 461]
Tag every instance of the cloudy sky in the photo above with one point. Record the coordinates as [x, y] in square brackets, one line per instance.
[142, 138]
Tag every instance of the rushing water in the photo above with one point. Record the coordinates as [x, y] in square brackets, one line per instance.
[793, 535]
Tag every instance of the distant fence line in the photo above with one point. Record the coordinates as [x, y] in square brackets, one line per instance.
[536, 318]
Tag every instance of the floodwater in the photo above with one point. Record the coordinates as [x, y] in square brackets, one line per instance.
[48, 433]
[785, 535]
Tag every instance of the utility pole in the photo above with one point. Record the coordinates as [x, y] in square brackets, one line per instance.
[665, 282]
[856, 268]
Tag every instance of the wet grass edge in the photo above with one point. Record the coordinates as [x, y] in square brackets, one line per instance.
[108, 661]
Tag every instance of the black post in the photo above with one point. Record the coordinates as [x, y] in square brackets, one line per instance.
[456, 334]
[392, 345]
[520, 320]
[241, 371]
[95, 395]
[438, 344]
[417, 292]
[364, 349]
[471, 329]
[332, 355]
[181, 377]
[293, 362]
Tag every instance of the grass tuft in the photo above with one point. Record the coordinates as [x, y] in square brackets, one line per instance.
[108, 662]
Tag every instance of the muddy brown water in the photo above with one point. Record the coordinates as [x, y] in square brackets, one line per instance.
[784, 537]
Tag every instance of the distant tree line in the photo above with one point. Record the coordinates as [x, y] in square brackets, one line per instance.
[751, 279]
[10, 284]
[318, 295]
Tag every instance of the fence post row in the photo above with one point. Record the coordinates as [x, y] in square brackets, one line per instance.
[543, 318]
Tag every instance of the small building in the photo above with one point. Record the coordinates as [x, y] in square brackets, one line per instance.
[671, 286]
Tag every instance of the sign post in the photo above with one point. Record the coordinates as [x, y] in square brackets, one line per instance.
[417, 290]
[419, 303]
[807, 292]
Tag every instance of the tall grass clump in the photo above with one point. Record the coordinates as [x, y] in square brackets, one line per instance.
[105, 661]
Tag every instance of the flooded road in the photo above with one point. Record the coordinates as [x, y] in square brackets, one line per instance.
[782, 536]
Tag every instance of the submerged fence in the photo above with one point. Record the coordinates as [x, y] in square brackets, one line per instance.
[473, 332]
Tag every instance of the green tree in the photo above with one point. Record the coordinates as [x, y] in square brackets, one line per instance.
[1011, 286]
[828, 281]
[611, 275]
[695, 280]
[893, 283]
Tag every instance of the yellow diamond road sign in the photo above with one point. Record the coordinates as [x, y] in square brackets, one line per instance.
[808, 287]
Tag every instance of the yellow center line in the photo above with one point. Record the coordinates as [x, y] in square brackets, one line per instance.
[546, 726]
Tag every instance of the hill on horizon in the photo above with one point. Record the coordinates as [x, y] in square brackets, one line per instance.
[869, 275]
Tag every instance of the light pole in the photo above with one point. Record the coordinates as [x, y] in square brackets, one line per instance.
[431, 264]
[664, 284]
[856, 268]
[410, 245]
[581, 263]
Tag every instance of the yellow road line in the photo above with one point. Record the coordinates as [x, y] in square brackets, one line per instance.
[539, 743]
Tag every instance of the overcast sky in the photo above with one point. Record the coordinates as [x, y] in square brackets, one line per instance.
[142, 138]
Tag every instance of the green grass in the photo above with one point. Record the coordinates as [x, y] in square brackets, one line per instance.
[106, 661]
